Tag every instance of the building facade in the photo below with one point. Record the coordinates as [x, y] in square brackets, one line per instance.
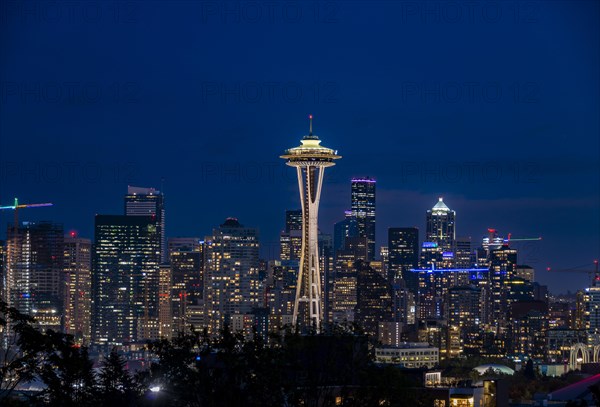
[78, 288]
[231, 281]
[125, 279]
[34, 271]
[363, 210]
[187, 278]
[409, 355]
[403, 255]
[149, 202]
[440, 234]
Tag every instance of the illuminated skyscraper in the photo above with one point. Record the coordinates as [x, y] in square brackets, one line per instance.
[440, 225]
[183, 243]
[165, 309]
[148, 202]
[374, 299]
[590, 307]
[293, 220]
[343, 230]
[78, 287]
[344, 291]
[187, 266]
[440, 236]
[464, 318]
[463, 256]
[525, 272]
[310, 160]
[403, 248]
[363, 210]
[34, 271]
[2, 270]
[125, 279]
[503, 263]
[231, 281]
[290, 239]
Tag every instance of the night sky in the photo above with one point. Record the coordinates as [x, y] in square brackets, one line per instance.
[494, 106]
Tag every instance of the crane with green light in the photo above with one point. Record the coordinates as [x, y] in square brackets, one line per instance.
[16, 206]
[521, 239]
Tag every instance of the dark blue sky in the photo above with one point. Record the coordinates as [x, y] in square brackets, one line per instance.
[494, 106]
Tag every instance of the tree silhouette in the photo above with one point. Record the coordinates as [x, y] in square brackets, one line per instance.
[21, 345]
[115, 385]
[529, 371]
[66, 369]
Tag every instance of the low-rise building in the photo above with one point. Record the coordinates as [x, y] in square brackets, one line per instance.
[409, 355]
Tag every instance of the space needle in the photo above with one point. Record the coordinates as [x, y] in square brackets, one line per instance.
[310, 160]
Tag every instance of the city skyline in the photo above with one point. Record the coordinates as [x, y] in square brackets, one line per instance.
[435, 243]
[499, 116]
[530, 251]
[269, 248]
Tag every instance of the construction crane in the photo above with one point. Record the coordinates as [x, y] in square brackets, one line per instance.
[18, 206]
[520, 239]
[584, 268]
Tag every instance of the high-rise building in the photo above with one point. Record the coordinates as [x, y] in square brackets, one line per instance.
[528, 322]
[591, 309]
[579, 317]
[384, 253]
[464, 257]
[363, 210]
[310, 160]
[290, 239]
[283, 274]
[440, 236]
[403, 247]
[2, 269]
[344, 293]
[293, 219]
[231, 281]
[440, 225]
[183, 243]
[165, 309]
[343, 285]
[525, 272]
[355, 248]
[149, 202]
[343, 230]
[34, 271]
[187, 266]
[503, 262]
[327, 265]
[464, 319]
[374, 299]
[434, 284]
[77, 266]
[489, 243]
[125, 279]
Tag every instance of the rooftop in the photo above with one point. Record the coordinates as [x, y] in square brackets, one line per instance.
[440, 206]
[496, 368]
[231, 223]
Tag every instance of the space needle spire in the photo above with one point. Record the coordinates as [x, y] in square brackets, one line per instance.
[310, 160]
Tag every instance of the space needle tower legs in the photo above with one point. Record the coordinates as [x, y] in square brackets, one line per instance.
[310, 160]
